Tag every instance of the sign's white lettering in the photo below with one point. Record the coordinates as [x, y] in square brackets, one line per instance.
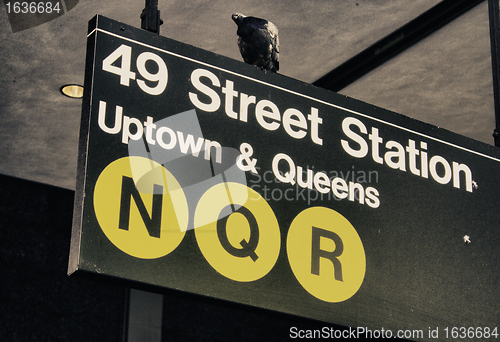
[401, 157]
[210, 92]
[166, 137]
[285, 171]
[266, 112]
[124, 52]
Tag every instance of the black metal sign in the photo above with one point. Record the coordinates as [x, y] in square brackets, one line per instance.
[203, 174]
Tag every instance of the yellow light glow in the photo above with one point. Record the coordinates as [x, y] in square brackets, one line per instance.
[72, 90]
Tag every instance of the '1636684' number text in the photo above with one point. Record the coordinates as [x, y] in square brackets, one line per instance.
[32, 7]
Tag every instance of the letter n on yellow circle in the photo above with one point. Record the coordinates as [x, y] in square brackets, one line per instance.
[140, 207]
[326, 254]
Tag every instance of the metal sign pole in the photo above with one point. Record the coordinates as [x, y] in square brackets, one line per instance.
[150, 17]
[143, 311]
[494, 13]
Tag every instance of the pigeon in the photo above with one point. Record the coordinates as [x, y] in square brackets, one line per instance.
[258, 41]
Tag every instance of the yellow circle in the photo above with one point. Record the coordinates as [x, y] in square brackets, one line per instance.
[326, 254]
[227, 212]
[126, 185]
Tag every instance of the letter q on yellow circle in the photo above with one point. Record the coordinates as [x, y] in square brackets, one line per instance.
[140, 207]
[326, 254]
[244, 253]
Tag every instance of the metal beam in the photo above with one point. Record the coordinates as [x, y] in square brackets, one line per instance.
[494, 13]
[396, 42]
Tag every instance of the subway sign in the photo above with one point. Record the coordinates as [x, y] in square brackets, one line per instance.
[202, 174]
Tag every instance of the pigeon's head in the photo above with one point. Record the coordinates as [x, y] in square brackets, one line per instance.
[238, 18]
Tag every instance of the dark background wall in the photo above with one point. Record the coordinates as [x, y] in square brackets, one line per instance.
[39, 302]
